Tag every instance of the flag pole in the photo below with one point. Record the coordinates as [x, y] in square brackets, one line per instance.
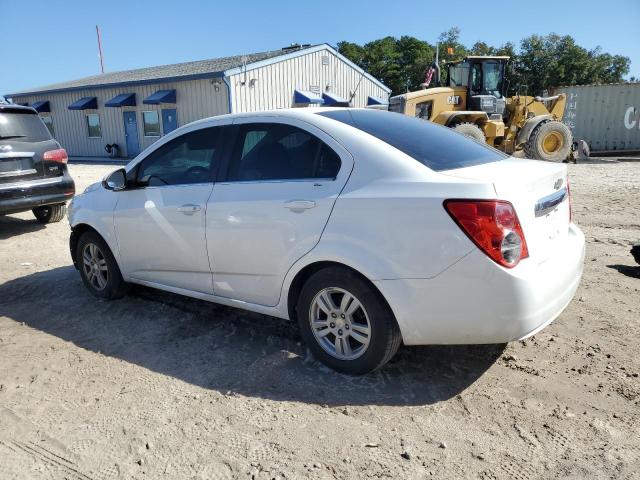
[100, 49]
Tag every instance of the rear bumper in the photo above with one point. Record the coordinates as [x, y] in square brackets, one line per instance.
[23, 196]
[476, 301]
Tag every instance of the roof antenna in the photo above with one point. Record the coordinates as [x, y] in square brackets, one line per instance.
[353, 94]
[100, 49]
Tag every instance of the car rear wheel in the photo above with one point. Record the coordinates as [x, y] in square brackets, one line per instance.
[98, 267]
[50, 213]
[346, 323]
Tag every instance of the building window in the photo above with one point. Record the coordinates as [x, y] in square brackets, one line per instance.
[151, 122]
[48, 121]
[93, 125]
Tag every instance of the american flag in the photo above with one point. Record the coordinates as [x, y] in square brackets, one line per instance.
[430, 72]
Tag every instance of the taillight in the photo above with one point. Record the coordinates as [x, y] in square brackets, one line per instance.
[59, 155]
[493, 226]
[570, 207]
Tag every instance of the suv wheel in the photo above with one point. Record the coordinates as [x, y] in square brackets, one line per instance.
[98, 268]
[50, 213]
[345, 323]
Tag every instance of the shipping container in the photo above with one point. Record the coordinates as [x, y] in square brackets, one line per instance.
[606, 116]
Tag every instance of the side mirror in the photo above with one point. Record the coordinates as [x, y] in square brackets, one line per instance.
[115, 181]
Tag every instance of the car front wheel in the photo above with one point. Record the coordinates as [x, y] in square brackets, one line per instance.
[346, 323]
[98, 267]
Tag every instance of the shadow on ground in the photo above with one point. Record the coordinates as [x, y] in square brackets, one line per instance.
[12, 226]
[628, 270]
[227, 349]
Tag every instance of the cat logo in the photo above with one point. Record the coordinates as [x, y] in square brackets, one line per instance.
[453, 100]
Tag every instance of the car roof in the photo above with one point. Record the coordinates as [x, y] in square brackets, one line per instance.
[308, 113]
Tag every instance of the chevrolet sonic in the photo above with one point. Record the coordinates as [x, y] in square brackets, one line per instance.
[368, 228]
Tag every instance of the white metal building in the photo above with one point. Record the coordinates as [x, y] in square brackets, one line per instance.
[134, 108]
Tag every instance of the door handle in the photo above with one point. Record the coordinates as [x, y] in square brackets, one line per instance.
[189, 208]
[299, 205]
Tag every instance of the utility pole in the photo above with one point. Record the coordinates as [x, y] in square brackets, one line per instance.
[100, 49]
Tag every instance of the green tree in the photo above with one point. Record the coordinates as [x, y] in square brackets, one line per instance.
[539, 63]
[415, 58]
[481, 48]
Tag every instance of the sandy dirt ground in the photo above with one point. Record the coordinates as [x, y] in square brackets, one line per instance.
[160, 386]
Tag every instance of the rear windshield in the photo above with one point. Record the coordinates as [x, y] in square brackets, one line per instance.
[23, 127]
[435, 146]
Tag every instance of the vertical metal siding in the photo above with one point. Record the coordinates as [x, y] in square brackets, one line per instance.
[275, 83]
[596, 113]
[196, 99]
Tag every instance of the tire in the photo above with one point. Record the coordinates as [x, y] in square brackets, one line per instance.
[98, 267]
[50, 213]
[471, 130]
[550, 141]
[354, 340]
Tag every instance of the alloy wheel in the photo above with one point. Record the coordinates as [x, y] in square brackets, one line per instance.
[340, 323]
[95, 266]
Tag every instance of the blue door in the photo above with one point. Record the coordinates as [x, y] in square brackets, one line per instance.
[131, 133]
[169, 120]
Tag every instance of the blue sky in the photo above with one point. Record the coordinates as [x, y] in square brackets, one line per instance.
[51, 41]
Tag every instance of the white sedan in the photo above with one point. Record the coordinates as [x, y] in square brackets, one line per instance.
[369, 228]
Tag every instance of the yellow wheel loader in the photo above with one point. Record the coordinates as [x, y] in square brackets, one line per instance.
[474, 103]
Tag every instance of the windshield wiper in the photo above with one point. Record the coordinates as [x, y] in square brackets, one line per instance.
[6, 137]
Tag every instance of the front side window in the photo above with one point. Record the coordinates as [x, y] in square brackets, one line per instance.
[151, 123]
[190, 158]
[93, 125]
[458, 74]
[476, 78]
[49, 123]
[275, 151]
[492, 73]
[435, 146]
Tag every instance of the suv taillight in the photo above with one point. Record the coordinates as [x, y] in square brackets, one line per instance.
[493, 226]
[59, 155]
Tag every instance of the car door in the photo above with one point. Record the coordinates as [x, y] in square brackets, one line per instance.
[271, 205]
[159, 221]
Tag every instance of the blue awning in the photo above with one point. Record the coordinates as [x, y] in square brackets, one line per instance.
[304, 96]
[334, 100]
[161, 96]
[376, 101]
[86, 103]
[42, 106]
[122, 100]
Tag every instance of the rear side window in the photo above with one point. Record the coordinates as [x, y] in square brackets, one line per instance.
[24, 127]
[435, 146]
[275, 151]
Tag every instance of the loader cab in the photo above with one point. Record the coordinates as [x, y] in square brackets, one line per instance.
[483, 77]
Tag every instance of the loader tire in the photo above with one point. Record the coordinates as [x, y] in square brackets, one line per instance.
[471, 130]
[550, 141]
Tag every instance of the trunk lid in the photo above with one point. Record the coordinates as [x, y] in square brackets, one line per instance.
[538, 192]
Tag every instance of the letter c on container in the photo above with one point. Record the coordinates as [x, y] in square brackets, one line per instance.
[629, 121]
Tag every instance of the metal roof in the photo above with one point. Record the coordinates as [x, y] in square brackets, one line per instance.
[178, 71]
